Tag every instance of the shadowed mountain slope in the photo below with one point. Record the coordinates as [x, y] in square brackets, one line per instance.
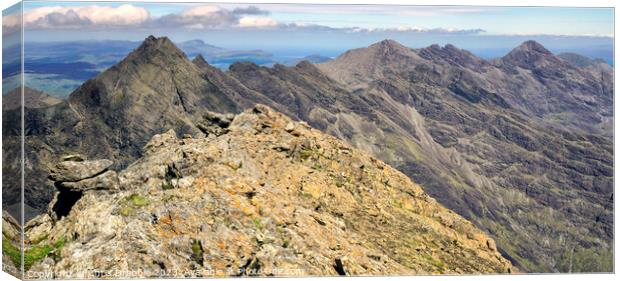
[32, 99]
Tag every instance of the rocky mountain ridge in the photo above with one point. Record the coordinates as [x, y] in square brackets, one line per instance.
[199, 207]
[491, 131]
[521, 152]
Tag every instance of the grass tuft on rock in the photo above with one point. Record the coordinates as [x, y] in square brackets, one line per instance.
[31, 255]
[11, 251]
[197, 252]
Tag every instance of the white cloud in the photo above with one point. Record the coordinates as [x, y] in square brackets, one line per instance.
[10, 23]
[206, 17]
[124, 14]
[409, 28]
[256, 22]
[57, 16]
[416, 29]
[200, 11]
[213, 16]
[389, 10]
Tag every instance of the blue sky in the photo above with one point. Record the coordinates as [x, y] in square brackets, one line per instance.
[493, 20]
[324, 29]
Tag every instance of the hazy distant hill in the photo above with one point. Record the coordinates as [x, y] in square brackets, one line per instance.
[221, 57]
[311, 58]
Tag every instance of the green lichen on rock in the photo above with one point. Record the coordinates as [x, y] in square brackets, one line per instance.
[138, 200]
[129, 204]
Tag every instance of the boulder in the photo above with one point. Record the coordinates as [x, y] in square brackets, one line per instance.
[106, 181]
[71, 171]
[215, 123]
[160, 141]
[222, 120]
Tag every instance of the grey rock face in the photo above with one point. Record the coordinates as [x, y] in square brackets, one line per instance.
[105, 181]
[161, 140]
[73, 171]
[73, 178]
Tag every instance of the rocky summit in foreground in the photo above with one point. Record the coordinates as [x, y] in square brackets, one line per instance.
[258, 195]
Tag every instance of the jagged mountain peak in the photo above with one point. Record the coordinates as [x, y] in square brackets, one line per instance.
[452, 55]
[359, 65]
[529, 54]
[156, 47]
[157, 41]
[157, 60]
[310, 68]
[380, 52]
[200, 61]
[532, 46]
[243, 66]
[155, 86]
[448, 48]
[389, 47]
[304, 64]
[387, 43]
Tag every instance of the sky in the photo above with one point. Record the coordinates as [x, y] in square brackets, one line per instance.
[325, 29]
[493, 20]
